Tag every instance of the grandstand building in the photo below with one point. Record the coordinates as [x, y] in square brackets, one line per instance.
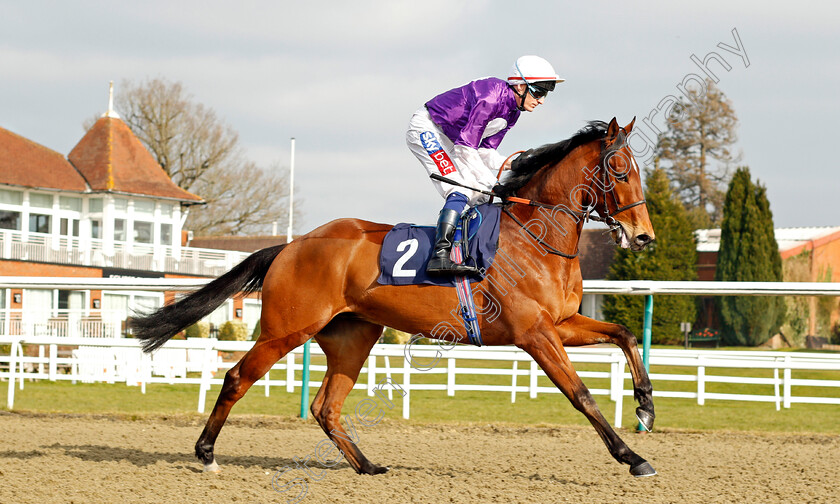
[107, 209]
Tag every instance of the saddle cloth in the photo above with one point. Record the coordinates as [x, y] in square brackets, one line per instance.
[407, 248]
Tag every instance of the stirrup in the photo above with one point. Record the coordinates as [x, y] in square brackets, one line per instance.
[445, 266]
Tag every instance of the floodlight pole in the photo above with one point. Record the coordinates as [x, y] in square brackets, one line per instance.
[291, 193]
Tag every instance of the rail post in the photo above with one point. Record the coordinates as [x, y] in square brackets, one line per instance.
[304, 386]
[646, 337]
[10, 399]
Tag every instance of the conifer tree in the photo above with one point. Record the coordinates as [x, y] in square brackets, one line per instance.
[748, 252]
[696, 150]
[673, 256]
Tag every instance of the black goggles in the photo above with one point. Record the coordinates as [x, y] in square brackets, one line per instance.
[540, 89]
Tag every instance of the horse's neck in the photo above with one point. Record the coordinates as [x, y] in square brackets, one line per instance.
[560, 186]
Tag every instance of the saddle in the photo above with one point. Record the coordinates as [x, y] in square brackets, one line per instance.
[407, 248]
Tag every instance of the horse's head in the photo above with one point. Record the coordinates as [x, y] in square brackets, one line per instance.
[593, 171]
[618, 185]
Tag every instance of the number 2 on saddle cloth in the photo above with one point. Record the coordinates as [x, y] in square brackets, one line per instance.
[407, 248]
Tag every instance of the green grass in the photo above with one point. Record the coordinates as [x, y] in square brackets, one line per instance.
[480, 407]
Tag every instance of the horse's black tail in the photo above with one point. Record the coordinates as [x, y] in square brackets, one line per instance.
[158, 327]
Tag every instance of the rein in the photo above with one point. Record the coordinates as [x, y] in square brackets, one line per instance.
[608, 218]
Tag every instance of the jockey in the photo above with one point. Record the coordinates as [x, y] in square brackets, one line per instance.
[456, 134]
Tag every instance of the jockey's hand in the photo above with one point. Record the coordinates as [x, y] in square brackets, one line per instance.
[499, 190]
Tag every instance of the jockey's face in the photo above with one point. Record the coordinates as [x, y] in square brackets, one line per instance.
[530, 103]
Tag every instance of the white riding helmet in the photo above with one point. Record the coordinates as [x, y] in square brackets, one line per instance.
[531, 70]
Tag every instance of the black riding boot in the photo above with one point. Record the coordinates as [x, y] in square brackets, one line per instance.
[440, 263]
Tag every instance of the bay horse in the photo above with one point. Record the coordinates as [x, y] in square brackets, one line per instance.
[323, 285]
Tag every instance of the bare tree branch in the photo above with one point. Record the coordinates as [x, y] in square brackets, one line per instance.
[202, 155]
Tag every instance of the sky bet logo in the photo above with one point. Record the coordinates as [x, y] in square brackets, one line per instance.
[436, 152]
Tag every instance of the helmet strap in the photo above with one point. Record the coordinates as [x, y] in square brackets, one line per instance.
[522, 96]
[521, 105]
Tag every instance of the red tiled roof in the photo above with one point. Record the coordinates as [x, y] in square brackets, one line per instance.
[111, 158]
[28, 164]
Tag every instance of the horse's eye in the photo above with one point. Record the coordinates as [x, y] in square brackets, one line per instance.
[622, 176]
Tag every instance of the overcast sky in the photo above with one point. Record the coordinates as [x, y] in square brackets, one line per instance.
[343, 78]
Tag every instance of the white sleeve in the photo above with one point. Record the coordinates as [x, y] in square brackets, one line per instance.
[492, 159]
[473, 162]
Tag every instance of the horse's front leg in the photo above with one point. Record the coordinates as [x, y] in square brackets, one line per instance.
[579, 330]
[543, 343]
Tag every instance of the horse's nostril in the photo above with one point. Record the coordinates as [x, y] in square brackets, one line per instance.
[643, 239]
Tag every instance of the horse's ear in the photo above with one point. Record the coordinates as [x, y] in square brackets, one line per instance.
[612, 131]
[629, 127]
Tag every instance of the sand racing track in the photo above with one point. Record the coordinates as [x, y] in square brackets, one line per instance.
[89, 458]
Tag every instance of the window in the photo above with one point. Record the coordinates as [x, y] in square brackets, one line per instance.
[120, 204]
[142, 232]
[71, 300]
[166, 234]
[40, 200]
[144, 304]
[251, 313]
[95, 205]
[119, 230]
[69, 227]
[11, 197]
[144, 207]
[165, 210]
[39, 223]
[220, 315]
[96, 229]
[70, 203]
[123, 306]
[9, 220]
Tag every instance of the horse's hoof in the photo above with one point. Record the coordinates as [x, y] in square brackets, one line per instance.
[212, 467]
[373, 469]
[642, 470]
[645, 418]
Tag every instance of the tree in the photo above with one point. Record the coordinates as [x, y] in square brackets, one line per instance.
[202, 155]
[702, 129]
[185, 137]
[245, 200]
[798, 308]
[748, 252]
[673, 256]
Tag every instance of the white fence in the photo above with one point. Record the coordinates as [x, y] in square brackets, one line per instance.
[62, 322]
[197, 362]
[120, 360]
[41, 247]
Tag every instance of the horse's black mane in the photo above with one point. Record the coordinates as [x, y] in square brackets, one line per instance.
[529, 163]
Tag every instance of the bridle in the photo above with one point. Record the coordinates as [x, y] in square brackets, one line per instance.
[606, 185]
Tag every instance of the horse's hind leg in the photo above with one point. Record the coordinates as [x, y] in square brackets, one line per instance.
[543, 343]
[253, 366]
[346, 342]
[579, 330]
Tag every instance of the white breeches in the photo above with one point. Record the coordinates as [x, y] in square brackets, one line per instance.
[436, 153]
